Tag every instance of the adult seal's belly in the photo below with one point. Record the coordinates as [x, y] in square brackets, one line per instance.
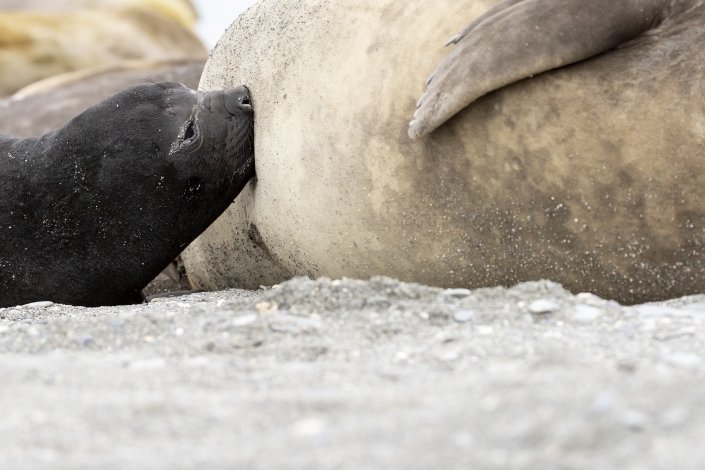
[91, 212]
[568, 144]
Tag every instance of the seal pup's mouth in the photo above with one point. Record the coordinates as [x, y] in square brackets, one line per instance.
[239, 143]
[221, 129]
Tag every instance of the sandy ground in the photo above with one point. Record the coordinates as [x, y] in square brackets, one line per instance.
[355, 375]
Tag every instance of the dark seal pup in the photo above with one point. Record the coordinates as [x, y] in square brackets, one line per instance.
[91, 212]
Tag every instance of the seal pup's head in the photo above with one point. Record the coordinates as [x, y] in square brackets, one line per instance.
[184, 153]
[103, 204]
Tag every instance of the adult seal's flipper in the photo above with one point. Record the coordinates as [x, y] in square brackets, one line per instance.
[520, 38]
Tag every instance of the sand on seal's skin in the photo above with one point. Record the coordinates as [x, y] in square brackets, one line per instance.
[350, 374]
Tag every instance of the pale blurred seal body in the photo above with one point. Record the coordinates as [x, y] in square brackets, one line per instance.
[587, 173]
[43, 38]
[65, 96]
[93, 211]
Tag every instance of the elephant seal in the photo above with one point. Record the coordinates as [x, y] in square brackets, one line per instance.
[63, 97]
[38, 44]
[588, 174]
[182, 11]
[93, 211]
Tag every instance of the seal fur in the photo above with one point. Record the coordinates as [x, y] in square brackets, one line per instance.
[93, 211]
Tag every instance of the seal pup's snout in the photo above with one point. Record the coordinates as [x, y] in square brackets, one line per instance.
[237, 100]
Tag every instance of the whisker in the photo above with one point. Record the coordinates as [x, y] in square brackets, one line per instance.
[147, 80]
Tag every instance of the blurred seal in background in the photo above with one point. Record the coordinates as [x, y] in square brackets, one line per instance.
[39, 39]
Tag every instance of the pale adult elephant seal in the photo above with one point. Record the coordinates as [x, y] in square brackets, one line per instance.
[588, 174]
[90, 213]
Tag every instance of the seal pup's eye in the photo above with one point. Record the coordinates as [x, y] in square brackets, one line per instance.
[189, 133]
[246, 101]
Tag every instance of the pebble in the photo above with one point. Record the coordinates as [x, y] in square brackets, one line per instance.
[647, 325]
[285, 323]
[376, 301]
[464, 316]
[198, 361]
[485, 330]
[463, 439]
[85, 340]
[244, 320]
[445, 336]
[266, 307]
[457, 293]
[595, 301]
[587, 296]
[686, 331]
[635, 420]
[604, 403]
[39, 304]
[655, 311]
[674, 417]
[147, 364]
[490, 403]
[309, 427]
[683, 359]
[401, 356]
[585, 313]
[449, 356]
[543, 306]
[552, 334]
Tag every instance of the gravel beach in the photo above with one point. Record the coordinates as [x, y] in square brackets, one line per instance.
[354, 374]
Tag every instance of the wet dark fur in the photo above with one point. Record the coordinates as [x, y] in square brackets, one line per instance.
[90, 213]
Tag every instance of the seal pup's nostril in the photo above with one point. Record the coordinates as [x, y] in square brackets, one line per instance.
[237, 100]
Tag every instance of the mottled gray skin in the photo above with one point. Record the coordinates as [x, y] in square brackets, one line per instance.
[588, 174]
[536, 36]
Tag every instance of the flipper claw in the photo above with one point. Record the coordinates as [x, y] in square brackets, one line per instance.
[452, 40]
